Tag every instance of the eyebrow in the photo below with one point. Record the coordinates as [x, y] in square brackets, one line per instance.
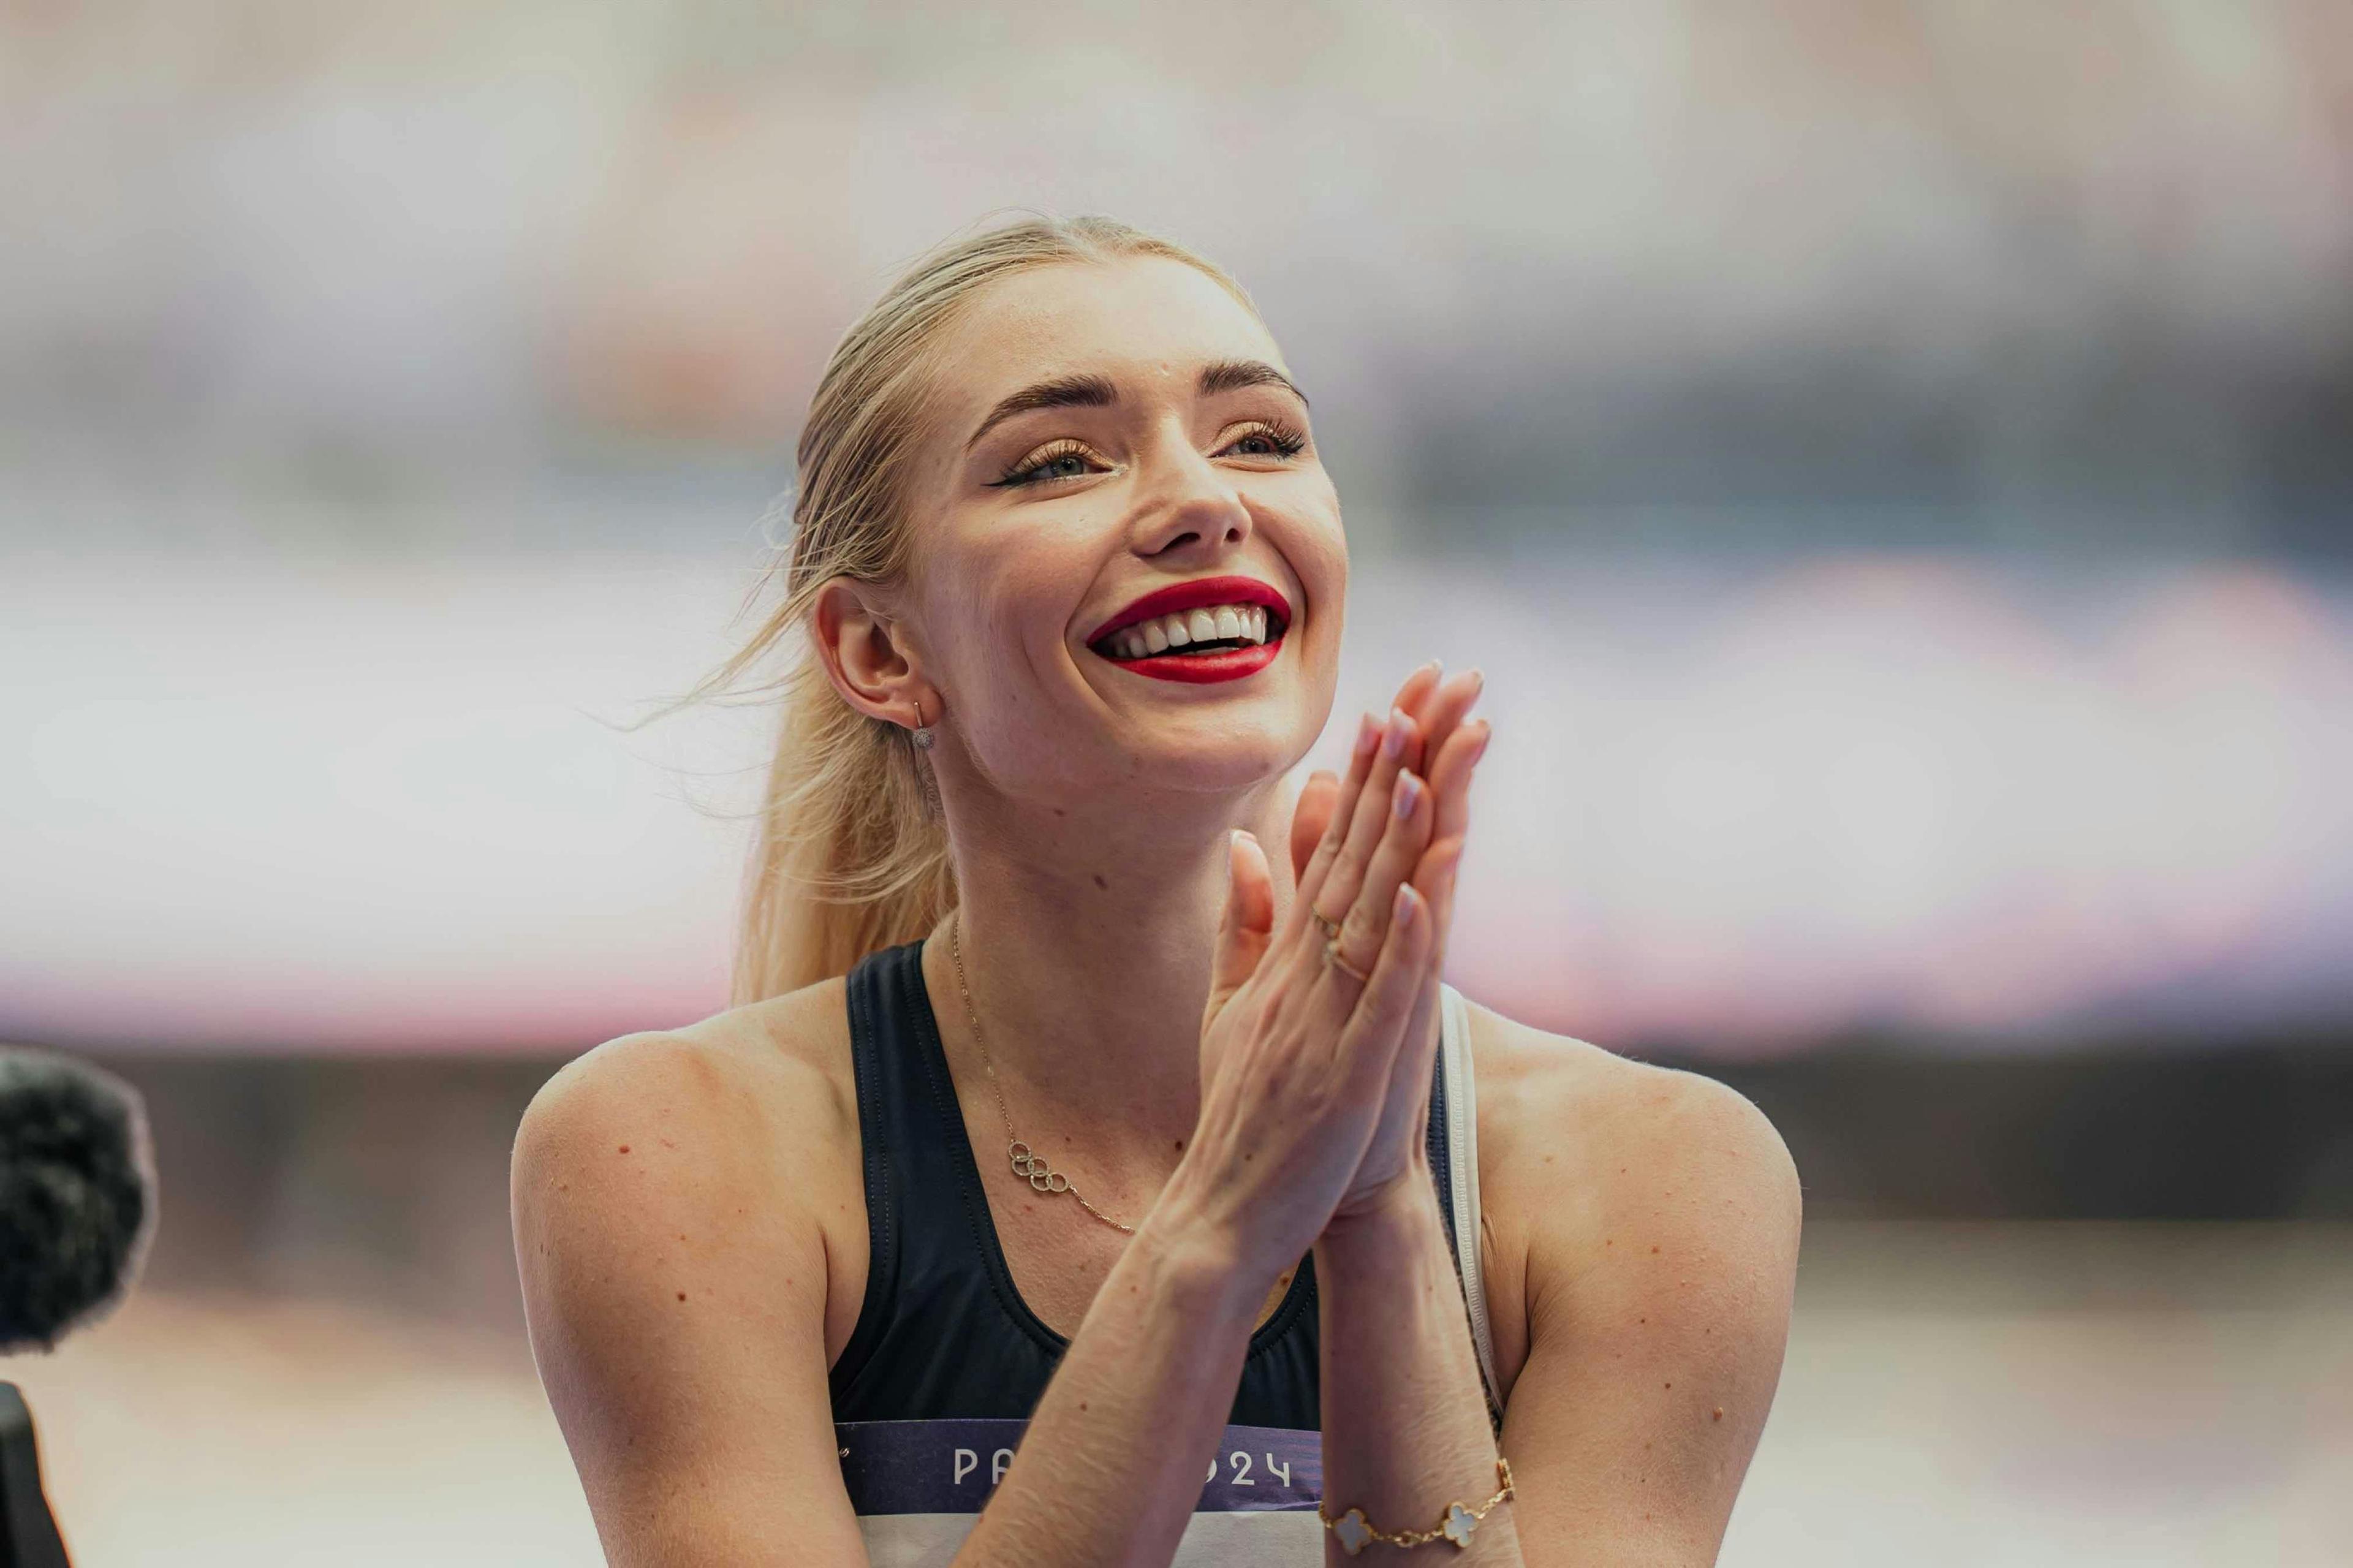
[1233, 374]
[1064, 392]
[1097, 392]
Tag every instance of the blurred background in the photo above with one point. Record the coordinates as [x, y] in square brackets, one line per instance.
[1895, 463]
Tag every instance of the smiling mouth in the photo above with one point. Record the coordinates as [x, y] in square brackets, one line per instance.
[1202, 633]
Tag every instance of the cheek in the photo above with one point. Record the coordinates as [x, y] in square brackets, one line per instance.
[1011, 610]
[1318, 547]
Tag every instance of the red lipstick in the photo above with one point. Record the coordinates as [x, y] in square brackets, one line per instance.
[1202, 668]
[1194, 596]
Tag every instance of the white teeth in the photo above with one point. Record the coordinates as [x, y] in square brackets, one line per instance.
[1223, 623]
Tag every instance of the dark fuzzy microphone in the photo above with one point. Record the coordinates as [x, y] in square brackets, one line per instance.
[76, 1212]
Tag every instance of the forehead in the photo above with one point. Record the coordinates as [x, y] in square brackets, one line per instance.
[1131, 319]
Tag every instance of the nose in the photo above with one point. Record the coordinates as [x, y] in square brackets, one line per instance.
[1187, 503]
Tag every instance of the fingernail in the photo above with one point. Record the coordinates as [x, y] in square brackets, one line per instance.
[1479, 746]
[1408, 907]
[1393, 739]
[1408, 793]
[1368, 734]
[1436, 665]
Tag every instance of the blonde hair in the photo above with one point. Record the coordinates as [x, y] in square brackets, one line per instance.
[850, 856]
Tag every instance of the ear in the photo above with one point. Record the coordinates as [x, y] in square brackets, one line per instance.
[864, 648]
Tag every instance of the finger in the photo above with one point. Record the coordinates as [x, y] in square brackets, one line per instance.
[1447, 704]
[1434, 877]
[1344, 809]
[1247, 923]
[1370, 1039]
[1402, 842]
[1310, 817]
[1415, 689]
[1344, 873]
[1404, 1112]
[1450, 773]
[1450, 778]
[1413, 695]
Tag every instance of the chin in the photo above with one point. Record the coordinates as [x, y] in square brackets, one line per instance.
[1222, 756]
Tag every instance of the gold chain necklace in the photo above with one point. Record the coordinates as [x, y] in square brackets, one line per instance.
[1031, 1167]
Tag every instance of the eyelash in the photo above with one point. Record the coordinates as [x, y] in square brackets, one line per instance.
[1288, 443]
[1025, 471]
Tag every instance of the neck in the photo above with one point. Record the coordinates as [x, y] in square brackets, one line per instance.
[1087, 935]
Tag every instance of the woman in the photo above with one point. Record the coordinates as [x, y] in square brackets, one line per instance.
[1052, 1095]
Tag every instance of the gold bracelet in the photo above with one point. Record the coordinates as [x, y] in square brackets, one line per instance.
[1355, 1532]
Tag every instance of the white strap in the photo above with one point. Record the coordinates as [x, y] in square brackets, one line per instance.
[1462, 1166]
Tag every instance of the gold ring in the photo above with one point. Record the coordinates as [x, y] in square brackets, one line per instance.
[1331, 927]
[1331, 956]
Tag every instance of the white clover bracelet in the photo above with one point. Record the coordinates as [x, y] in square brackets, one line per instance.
[1355, 1532]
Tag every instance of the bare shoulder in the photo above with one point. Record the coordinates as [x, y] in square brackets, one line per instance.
[1632, 1132]
[728, 1139]
[774, 1066]
[1609, 1180]
[676, 1200]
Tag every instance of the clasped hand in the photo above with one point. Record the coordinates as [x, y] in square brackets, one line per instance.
[1315, 1074]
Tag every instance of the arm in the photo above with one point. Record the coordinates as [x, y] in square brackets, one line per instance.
[1653, 1347]
[1112, 1464]
[1406, 1430]
[1657, 1307]
[1405, 1418]
[676, 1298]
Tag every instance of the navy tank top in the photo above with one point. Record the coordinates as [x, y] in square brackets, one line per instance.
[941, 1335]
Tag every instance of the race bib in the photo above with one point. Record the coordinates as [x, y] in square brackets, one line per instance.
[918, 1486]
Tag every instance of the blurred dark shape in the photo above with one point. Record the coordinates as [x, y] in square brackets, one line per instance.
[77, 1211]
[29, 1535]
[75, 1196]
[2239, 1130]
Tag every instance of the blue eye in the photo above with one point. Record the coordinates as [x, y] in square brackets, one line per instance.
[1065, 460]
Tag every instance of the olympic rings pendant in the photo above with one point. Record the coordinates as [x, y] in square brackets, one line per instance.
[1032, 1168]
